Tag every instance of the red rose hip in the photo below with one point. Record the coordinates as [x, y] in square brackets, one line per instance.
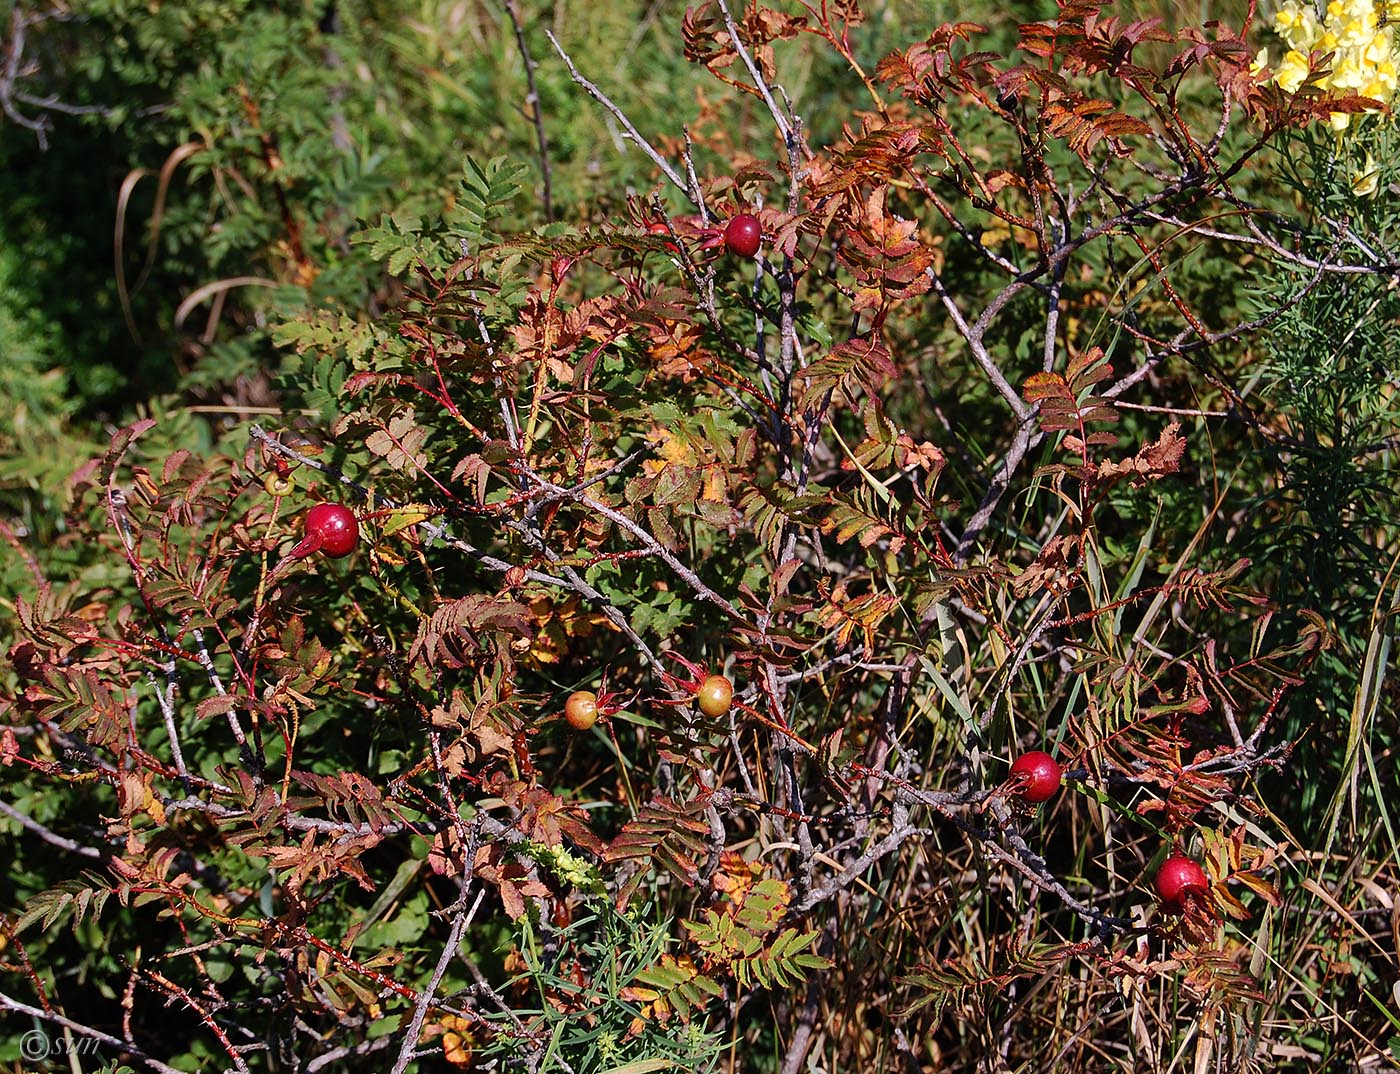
[658, 227]
[331, 529]
[1035, 776]
[1178, 876]
[743, 234]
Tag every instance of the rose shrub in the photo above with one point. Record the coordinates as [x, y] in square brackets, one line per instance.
[934, 480]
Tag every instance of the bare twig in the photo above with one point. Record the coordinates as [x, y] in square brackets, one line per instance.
[20, 22]
[855, 868]
[1027, 437]
[617, 113]
[973, 334]
[408, 1050]
[165, 698]
[347, 1051]
[650, 543]
[49, 836]
[780, 120]
[533, 100]
[14, 1006]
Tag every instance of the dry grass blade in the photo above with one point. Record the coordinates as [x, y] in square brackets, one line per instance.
[177, 156]
[218, 287]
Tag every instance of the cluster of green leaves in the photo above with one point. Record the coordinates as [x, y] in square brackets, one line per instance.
[1326, 374]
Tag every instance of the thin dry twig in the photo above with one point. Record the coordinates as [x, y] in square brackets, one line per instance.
[408, 1049]
[602, 98]
[128, 1047]
[13, 69]
[532, 99]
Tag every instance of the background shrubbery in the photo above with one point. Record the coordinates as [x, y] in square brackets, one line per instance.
[1057, 413]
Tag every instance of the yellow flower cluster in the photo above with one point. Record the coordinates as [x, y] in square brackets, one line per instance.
[1361, 42]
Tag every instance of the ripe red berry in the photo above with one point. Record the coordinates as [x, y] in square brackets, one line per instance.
[581, 710]
[1036, 775]
[1177, 876]
[331, 529]
[658, 227]
[714, 696]
[743, 234]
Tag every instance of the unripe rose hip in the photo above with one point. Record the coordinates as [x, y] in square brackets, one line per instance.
[581, 710]
[715, 695]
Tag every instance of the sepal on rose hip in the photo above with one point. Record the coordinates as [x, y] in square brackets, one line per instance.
[660, 227]
[1035, 776]
[1180, 878]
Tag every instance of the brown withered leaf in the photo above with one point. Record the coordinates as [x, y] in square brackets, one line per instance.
[482, 732]
[707, 38]
[558, 624]
[399, 441]
[875, 153]
[863, 362]
[735, 876]
[446, 849]
[1152, 463]
[923, 454]
[544, 817]
[475, 472]
[676, 349]
[846, 614]
[1065, 399]
[460, 630]
[514, 882]
[1086, 122]
[1054, 569]
[667, 833]
[930, 70]
[887, 256]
